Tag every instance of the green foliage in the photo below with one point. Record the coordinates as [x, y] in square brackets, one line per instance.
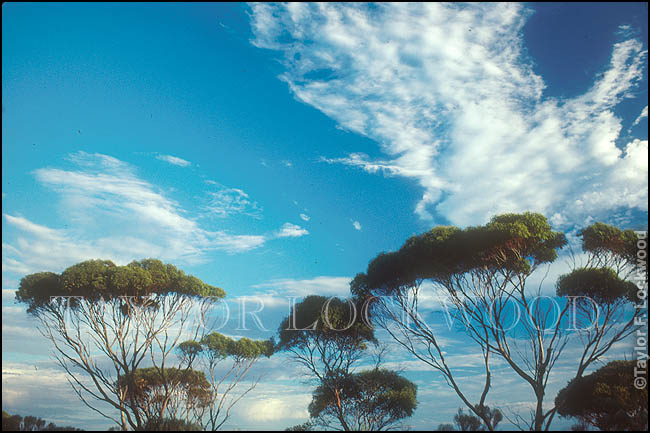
[11, 422]
[512, 242]
[149, 385]
[327, 319]
[602, 285]
[493, 415]
[468, 422]
[374, 399]
[601, 238]
[300, 427]
[607, 398]
[219, 346]
[102, 279]
[152, 377]
[189, 348]
[36, 289]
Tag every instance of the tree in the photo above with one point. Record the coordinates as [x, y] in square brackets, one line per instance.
[581, 426]
[30, 423]
[605, 399]
[372, 400]
[169, 424]
[11, 422]
[220, 395]
[300, 427]
[177, 393]
[468, 422]
[327, 337]
[483, 272]
[105, 320]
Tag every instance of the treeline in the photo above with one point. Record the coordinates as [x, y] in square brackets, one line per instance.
[30, 423]
[162, 380]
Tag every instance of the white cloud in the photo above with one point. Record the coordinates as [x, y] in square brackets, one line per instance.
[322, 285]
[356, 225]
[277, 408]
[225, 202]
[643, 115]
[174, 160]
[114, 214]
[449, 94]
[291, 230]
[304, 217]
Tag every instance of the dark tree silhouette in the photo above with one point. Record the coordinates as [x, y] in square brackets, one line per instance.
[300, 427]
[372, 400]
[468, 422]
[169, 424]
[30, 423]
[607, 399]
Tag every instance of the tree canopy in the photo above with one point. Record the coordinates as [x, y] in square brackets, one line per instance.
[372, 400]
[604, 239]
[325, 319]
[512, 242]
[158, 391]
[222, 346]
[30, 423]
[607, 398]
[603, 285]
[103, 280]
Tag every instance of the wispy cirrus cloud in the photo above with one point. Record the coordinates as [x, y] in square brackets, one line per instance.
[643, 115]
[174, 160]
[224, 202]
[277, 292]
[114, 214]
[449, 94]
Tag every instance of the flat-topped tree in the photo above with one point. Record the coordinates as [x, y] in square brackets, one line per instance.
[327, 337]
[478, 268]
[226, 363]
[104, 320]
[483, 272]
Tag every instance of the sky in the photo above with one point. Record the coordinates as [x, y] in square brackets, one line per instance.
[275, 150]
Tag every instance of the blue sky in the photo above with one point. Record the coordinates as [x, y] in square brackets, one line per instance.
[272, 149]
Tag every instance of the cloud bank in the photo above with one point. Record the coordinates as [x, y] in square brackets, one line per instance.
[450, 96]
